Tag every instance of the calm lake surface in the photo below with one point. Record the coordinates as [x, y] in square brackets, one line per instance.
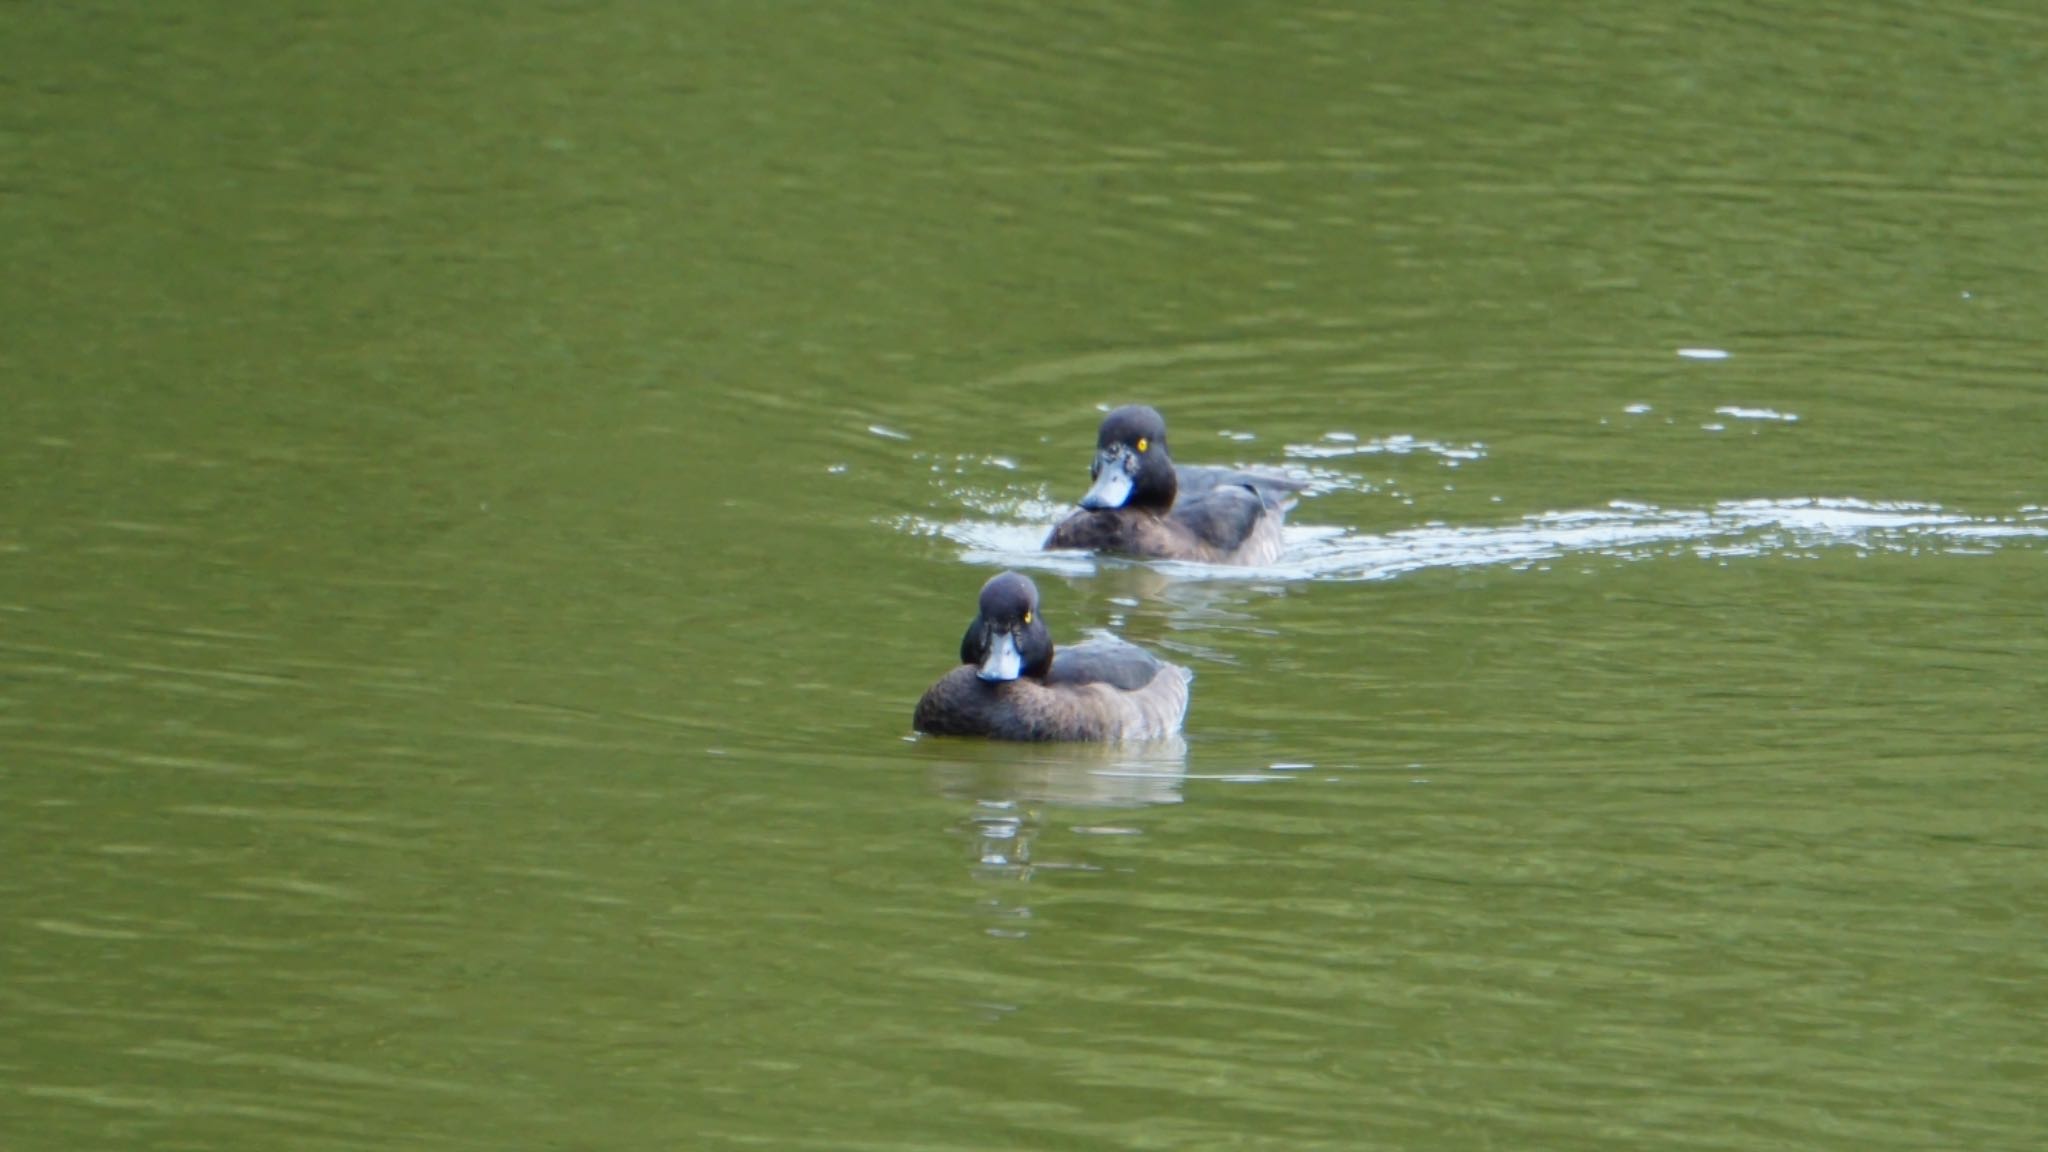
[482, 490]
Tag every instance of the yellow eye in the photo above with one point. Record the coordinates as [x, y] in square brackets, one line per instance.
[1027, 616]
[1143, 443]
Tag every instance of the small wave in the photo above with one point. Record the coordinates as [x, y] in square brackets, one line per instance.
[1741, 413]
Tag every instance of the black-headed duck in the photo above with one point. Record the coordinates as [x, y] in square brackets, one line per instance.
[1143, 505]
[1011, 685]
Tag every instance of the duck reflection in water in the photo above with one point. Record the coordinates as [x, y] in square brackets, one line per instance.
[1033, 809]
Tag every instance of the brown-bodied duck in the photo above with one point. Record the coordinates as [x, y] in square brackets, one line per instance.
[1144, 505]
[1012, 685]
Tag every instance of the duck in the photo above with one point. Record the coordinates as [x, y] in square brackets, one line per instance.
[1013, 685]
[1144, 505]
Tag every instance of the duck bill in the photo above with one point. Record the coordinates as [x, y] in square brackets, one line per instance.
[1113, 484]
[1003, 661]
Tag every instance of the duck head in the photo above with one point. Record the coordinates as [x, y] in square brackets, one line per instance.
[1008, 640]
[1131, 468]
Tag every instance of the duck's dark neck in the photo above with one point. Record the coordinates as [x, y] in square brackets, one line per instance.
[1154, 487]
[1038, 659]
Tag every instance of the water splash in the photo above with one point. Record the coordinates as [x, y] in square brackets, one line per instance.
[1622, 531]
[1337, 445]
[1757, 413]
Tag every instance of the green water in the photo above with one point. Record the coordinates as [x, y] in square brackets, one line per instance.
[483, 490]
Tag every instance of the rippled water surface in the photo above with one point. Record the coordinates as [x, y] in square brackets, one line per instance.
[484, 490]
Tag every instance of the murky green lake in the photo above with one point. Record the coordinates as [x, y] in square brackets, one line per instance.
[481, 491]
